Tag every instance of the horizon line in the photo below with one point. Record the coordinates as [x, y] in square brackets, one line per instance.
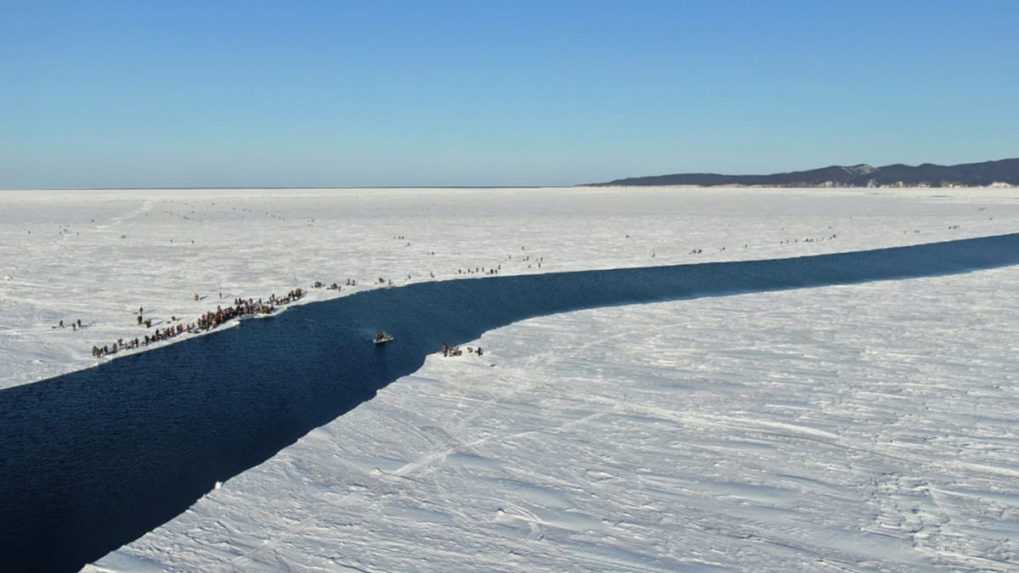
[279, 187]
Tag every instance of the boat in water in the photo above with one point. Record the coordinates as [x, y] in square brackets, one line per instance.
[382, 337]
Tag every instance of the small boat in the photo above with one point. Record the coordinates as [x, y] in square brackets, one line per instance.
[382, 337]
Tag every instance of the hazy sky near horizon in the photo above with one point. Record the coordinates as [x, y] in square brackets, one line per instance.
[231, 93]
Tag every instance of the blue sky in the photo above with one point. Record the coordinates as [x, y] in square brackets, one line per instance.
[495, 93]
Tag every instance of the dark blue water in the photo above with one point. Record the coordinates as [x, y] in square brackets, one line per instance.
[94, 459]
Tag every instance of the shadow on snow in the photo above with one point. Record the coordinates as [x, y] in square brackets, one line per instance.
[96, 458]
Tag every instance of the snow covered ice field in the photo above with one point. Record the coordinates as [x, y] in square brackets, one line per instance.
[867, 427]
[97, 256]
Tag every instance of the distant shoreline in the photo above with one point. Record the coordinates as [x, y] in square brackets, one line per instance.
[1000, 173]
[811, 187]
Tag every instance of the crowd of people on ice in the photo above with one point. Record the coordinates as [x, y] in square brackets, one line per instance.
[208, 321]
[448, 350]
[479, 270]
[252, 307]
[335, 286]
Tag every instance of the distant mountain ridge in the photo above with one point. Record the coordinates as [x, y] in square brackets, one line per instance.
[987, 173]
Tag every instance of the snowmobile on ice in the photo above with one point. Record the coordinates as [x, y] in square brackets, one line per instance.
[382, 337]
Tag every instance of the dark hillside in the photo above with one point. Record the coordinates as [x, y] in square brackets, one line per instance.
[924, 175]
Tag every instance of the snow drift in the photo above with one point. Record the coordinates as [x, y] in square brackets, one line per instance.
[93, 459]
